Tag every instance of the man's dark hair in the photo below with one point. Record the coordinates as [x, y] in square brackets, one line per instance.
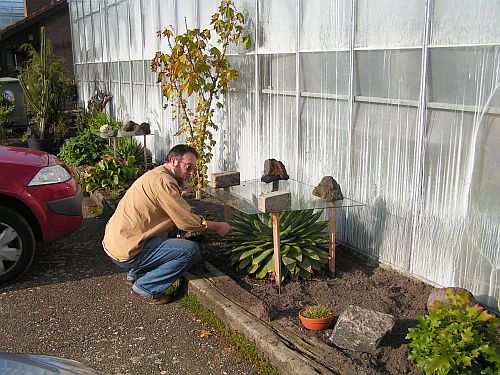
[179, 151]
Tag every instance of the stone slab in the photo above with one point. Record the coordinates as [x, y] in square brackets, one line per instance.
[275, 201]
[361, 329]
[225, 179]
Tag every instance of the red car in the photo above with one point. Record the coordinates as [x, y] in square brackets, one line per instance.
[39, 201]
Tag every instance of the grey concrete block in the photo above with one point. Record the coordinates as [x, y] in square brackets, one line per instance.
[275, 201]
[361, 329]
[225, 179]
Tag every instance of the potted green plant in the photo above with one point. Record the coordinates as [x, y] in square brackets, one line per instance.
[45, 90]
[316, 317]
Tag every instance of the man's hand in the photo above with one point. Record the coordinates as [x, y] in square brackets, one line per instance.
[220, 227]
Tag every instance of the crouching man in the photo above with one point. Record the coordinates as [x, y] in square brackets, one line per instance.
[136, 235]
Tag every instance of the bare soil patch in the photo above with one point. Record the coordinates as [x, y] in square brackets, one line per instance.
[356, 283]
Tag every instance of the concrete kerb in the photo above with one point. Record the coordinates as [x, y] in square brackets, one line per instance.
[274, 346]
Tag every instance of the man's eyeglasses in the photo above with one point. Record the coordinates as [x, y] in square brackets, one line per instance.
[189, 166]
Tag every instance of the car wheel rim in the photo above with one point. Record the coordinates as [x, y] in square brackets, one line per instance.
[10, 248]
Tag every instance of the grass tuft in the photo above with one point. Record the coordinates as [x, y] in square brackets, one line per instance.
[245, 348]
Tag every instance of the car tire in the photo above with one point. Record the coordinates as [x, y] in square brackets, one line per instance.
[17, 245]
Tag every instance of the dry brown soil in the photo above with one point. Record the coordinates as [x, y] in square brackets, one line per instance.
[356, 283]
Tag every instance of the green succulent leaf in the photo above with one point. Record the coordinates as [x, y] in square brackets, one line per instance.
[304, 243]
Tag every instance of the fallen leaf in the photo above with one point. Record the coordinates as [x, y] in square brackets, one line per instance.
[204, 334]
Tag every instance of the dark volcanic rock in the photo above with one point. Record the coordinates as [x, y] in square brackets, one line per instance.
[328, 190]
[274, 170]
[143, 128]
[129, 126]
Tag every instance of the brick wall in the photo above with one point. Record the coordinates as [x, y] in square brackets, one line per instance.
[58, 30]
[31, 6]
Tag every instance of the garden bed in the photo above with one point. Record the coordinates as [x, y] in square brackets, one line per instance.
[356, 283]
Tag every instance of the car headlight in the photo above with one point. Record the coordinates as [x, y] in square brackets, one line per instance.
[50, 175]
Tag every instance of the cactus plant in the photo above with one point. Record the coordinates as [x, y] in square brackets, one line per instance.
[44, 85]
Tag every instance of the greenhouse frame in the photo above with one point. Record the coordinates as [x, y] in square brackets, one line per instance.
[397, 100]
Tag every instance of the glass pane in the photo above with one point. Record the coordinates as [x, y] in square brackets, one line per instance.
[205, 11]
[241, 132]
[325, 24]
[137, 72]
[96, 21]
[150, 22]
[244, 197]
[384, 146]
[135, 30]
[76, 41]
[167, 18]
[389, 74]
[468, 76]
[123, 31]
[323, 135]
[325, 72]
[486, 185]
[187, 15]
[247, 8]
[89, 38]
[462, 22]
[137, 111]
[112, 33]
[124, 71]
[277, 110]
[389, 23]
[277, 72]
[277, 28]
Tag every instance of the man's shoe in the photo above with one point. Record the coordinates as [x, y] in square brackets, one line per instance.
[160, 300]
[129, 281]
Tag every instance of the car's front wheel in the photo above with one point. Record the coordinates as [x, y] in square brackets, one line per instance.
[17, 245]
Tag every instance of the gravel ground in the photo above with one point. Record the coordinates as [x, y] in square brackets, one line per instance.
[74, 303]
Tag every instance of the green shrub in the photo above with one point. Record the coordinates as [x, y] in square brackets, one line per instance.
[94, 120]
[126, 147]
[111, 175]
[304, 243]
[83, 150]
[6, 109]
[454, 338]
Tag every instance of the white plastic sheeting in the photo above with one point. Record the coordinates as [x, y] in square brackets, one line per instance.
[398, 101]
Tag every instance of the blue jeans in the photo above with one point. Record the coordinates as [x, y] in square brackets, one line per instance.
[159, 264]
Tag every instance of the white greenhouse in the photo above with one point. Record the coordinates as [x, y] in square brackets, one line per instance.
[397, 100]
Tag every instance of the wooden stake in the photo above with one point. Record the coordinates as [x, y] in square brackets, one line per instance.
[332, 230]
[228, 213]
[277, 255]
[145, 154]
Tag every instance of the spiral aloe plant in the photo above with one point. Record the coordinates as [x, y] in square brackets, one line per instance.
[304, 243]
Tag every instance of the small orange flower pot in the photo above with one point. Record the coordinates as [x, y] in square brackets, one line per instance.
[315, 324]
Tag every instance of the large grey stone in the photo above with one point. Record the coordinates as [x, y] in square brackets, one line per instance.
[275, 201]
[439, 295]
[361, 329]
[225, 179]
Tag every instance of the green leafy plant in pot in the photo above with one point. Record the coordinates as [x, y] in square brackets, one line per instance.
[316, 317]
[45, 90]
